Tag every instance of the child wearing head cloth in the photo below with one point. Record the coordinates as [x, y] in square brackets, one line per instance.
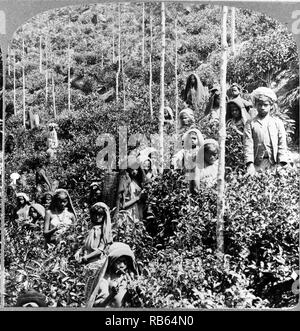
[207, 167]
[186, 158]
[194, 93]
[36, 216]
[265, 143]
[113, 278]
[31, 298]
[236, 115]
[97, 241]
[22, 209]
[60, 216]
[186, 120]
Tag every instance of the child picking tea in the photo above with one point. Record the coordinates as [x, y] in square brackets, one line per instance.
[60, 217]
[114, 278]
[22, 208]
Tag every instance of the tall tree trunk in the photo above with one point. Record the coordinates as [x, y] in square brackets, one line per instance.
[162, 86]
[41, 55]
[176, 80]
[46, 72]
[123, 81]
[113, 47]
[222, 137]
[69, 77]
[15, 106]
[143, 39]
[8, 60]
[24, 92]
[53, 95]
[233, 30]
[150, 68]
[119, 56]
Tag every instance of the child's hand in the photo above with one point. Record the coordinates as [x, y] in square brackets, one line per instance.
[114, 289]
[251, 169]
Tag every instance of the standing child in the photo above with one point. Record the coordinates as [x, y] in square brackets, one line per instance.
[264, 136]
[97, 241]
[114, 278]
[60, 217]
[207, 172]
[36, 215]
[236, 115]
[52, 141]
[186, 158]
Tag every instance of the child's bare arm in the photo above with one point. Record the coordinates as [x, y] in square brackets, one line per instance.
[94, 254]
[47, 231]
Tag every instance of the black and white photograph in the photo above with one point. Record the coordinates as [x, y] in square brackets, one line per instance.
[150, 157]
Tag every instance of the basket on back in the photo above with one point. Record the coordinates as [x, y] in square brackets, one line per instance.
[109, 188]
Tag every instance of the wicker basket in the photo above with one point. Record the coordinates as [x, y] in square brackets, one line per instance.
[109, 190]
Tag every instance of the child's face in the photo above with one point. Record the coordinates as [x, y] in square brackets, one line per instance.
[48, 199]
[235, 91]
[98, 216]
[21, 201]
[193, 79]
[120, 265]
[147, 165]
[62, 201]
[185, 119]
[193, 139]
[33, 213]
[235, 111]
[263, 107]
[211, 154]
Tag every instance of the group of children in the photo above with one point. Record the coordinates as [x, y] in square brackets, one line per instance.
[110, 266]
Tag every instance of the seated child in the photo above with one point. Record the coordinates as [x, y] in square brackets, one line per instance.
[59, 217]
[114, 278]
[22, 208]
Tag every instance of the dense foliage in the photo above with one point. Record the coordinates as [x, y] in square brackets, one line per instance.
[176, 253]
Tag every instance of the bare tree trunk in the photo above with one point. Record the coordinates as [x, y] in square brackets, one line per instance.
[150, 68]
[53, 95]
[15, 106]
[123, 81]
[233, 30]
[24, 92]
[69, 78]
[46, 72]
[8, 60]
[143, 31]
[119, 57]
[41, 55]
[176, 80]
[162, 87]
[113, 48]
[222, 137]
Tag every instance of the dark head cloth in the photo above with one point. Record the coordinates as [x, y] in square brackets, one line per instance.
[31, 296]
